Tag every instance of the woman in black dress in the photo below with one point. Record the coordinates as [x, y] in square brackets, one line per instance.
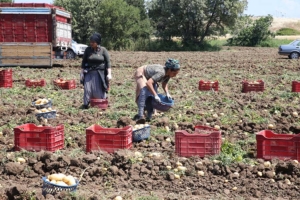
[96, 71]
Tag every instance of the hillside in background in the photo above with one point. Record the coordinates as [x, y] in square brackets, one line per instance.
[279, 23]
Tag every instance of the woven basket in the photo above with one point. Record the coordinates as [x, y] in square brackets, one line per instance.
[141, 134]
[51, 188]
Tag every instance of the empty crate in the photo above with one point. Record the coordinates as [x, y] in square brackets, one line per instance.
[205, 141]
[295, 86]
[208, 85]
[6, 80]
[35, 83]
[65, 84]
[108, 139]
[34, 138]
[282, 146]
[99, 103]
[255, 86]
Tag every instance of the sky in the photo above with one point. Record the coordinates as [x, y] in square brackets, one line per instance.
[276, 8]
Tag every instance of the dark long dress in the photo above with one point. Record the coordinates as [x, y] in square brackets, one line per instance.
[95, 86]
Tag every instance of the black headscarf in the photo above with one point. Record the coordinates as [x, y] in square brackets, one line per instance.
[96, 37]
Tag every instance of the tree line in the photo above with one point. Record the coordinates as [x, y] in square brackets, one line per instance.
[164, 24]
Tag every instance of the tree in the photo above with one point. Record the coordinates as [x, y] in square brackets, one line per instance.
[253, 33]
[193, 20]
[140, 4]
[119, 23]
[6, 1]
[82, 17]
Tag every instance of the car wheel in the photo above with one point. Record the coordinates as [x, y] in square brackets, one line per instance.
[70, 54]
[294, 55]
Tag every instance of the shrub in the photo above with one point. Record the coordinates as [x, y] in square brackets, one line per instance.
[287, 31]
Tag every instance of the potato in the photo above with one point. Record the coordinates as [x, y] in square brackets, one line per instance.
[38, 101]
[53, 181]
[21, 160]
[69, 180]
[61, 183]
[56, 177]
[181, 168]
[44, 110]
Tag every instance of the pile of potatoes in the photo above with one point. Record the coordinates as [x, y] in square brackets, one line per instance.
[139, 126]
[61, 180]
[254, 82]
[60, 81]
[44, 110]
[41, 101]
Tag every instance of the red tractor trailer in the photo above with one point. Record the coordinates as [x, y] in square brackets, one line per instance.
[32, 34]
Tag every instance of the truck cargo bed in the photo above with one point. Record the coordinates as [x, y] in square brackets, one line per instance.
[26, 54]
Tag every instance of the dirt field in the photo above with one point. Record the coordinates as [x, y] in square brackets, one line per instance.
[240, 115]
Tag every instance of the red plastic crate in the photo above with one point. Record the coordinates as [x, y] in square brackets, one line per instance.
[43, 39]
[198, 144]
[33, 138]
[6, 24]
[42, 23]
[66, 85]
[6, 31]
[253, 87]
[30, 38]
[208, 85]
[19, 38]
[295, 86]
[108, 139]
[6, 80]
[30, 24]
[7, 38]
[6, 72]
[35, 83]
[6, 84]
[99, 103]
[282, 146]
[30, 31]
[61, 19]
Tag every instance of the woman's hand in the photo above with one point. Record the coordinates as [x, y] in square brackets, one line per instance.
[109, 77]
[82, 76]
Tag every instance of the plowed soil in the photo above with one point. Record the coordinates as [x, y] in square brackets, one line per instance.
[239, 115]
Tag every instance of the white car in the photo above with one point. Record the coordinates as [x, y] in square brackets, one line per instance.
[77, 50]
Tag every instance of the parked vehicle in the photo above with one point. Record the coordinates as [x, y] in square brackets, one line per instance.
[30, 33]
[291, 50]
[76, 50]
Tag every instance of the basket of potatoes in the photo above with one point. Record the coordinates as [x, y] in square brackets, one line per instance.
[42, 103]
[46, 113]
[55, 183]
[140, 132]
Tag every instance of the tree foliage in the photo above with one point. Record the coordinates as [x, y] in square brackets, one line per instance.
[123, 23]
[193, 20]
[120, 24]
[6, 1]
[251, 33]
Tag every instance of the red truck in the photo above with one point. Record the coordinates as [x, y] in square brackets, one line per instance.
[31, 34]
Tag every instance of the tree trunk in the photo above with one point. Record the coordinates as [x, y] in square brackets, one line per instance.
[209, 23]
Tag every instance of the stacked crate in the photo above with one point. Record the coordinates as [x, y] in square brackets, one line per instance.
[6, 80]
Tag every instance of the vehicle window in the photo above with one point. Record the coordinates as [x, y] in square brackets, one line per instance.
[295, 43]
